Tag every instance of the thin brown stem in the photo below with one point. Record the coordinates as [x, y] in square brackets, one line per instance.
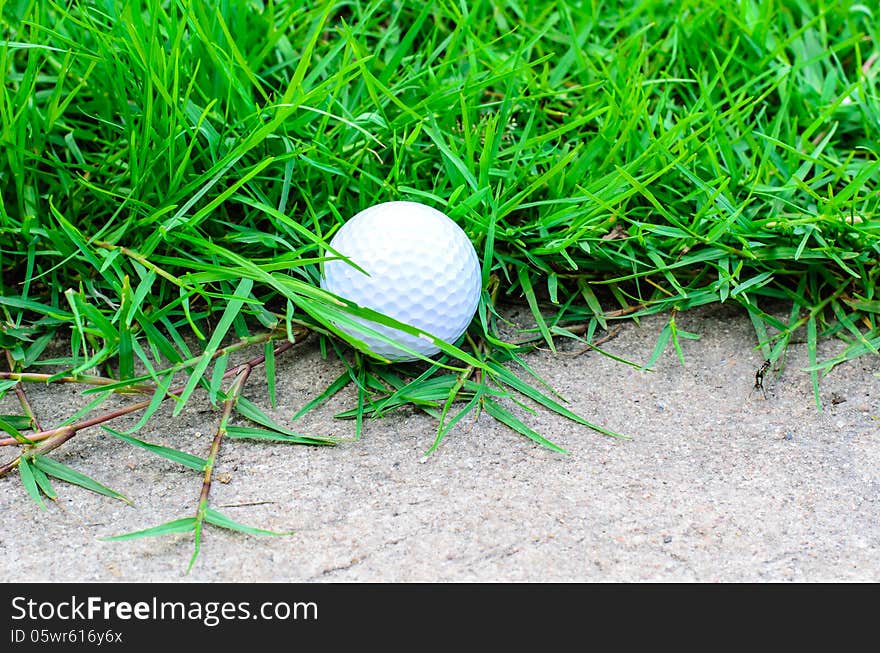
[94, 421]
[231, 399]
[259, 360]
[22, 395]
[54, 438]
[34, 377]
[59, 437]
[141, 405]
[620, 312]
[593, 345]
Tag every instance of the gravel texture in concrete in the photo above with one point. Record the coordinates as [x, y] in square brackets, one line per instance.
[717, 483]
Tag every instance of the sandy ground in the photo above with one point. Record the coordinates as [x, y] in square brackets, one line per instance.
[716, 484]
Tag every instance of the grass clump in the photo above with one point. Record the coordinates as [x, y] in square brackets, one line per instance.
[172, 172]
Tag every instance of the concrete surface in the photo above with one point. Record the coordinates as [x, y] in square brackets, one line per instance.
[716, 484]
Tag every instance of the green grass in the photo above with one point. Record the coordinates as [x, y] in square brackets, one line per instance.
[171, 172]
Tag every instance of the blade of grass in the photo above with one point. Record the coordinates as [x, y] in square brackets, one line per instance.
[65, 473]
[180, 457]
[174, 527]
[221, 520]
[233, 307]
[341, 381]
[506, 417]
[29, 481]
[250, 432]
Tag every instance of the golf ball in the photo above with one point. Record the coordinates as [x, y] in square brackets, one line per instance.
[422, 270]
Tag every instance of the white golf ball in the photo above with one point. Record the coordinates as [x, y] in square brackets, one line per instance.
[423, 271]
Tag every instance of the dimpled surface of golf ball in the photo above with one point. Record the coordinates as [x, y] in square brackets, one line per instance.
[423, 271]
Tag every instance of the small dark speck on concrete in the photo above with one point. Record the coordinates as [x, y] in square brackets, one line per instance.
[667, 539]
[789, 436]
